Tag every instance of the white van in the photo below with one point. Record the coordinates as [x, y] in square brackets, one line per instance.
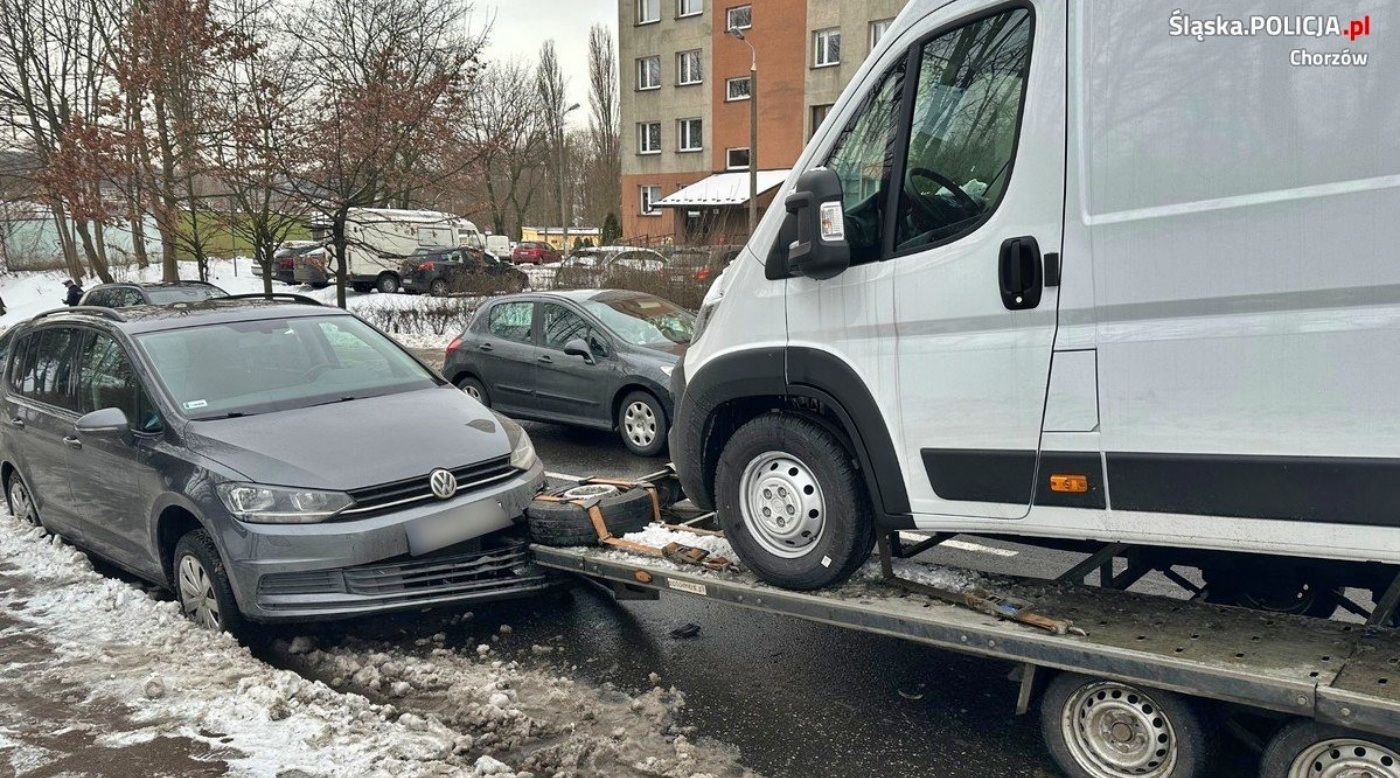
[499, 245]
[377, 240]
[1075, 270]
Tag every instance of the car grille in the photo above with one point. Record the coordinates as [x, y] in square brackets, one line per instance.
[374, 500]
[451, 571]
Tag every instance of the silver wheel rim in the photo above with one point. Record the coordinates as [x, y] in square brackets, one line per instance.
[782, 504]
[639, 424]
[472, 391]
[1345, 758]
[589, 491]
[1114, 731]
[21, 504]
[197, 593]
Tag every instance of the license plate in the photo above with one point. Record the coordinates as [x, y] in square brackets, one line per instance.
[464, 522]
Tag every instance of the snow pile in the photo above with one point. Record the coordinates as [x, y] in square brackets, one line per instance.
[658, 536]
[953, 579]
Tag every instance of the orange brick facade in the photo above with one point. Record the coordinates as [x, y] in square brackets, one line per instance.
[778, 33]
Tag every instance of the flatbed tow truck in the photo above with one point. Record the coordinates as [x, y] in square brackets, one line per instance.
[1134, 686]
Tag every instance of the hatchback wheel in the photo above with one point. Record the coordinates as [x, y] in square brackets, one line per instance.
[438, 288]
[22, 502]
[474, 389]
[642, 424]
[202, 585]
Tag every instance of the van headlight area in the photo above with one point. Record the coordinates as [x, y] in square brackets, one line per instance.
[258, 504]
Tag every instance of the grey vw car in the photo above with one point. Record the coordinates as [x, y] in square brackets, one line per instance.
[598, 358]
[268, 461]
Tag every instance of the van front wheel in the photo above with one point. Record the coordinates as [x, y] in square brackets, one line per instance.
[792, 503]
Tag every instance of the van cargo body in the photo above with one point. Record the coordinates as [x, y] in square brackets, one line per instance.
[1104, 272]
[377, 240]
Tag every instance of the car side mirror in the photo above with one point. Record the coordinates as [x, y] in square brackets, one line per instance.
[578, 347]
[813, 235]
[108, 421]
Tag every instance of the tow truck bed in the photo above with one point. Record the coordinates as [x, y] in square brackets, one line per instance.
[1333, 672]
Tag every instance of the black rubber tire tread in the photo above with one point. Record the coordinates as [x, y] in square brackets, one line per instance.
[849, 534]
[566, 524]
[1195, 735]
[1293, 739]
[198, 544]
[663, 426]
[466, 380]
[438, 288]
[379, 283]
[37, 520]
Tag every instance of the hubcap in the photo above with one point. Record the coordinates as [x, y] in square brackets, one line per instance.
[1114, 731]
[639, 424]
[589, 491]
[472, 391]
[1345, 758]
[197, 594]
[20, 502]
[782, 504]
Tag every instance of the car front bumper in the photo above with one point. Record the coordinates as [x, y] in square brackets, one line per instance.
[464, 549]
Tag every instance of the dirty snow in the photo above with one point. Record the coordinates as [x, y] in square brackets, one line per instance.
[953, 579]
[659, 537]
[377, 709]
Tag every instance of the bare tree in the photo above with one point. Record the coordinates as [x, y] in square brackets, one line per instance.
[504, 127]
[552, 87]
[604, 183]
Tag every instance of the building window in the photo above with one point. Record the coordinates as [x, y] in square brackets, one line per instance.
[688, 68]
[737, 89]
[740, 17]
[649, 73]
[689, 7]
[878, 30]
[650, 194]
[692, 135]
[826, 47]
[648, 11]
[649, 138]
[737, 159]
[819, 113]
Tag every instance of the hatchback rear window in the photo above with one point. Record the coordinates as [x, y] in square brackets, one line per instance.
[183, 294]
[245, 368]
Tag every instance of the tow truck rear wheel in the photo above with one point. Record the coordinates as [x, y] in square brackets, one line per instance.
[1097, 728]
[1308, 749]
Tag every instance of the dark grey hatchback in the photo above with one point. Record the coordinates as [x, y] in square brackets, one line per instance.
[265, 460]
[598, 358]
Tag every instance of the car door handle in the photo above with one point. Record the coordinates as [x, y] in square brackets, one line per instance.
[72, 442]
[486, 347]
[546, 360]
[17, 423]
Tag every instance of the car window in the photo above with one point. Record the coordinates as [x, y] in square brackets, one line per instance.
[107, 379]
[166, 295]
[215, 371]
[512, 321]
[560, 325]
[97, 297]
[643, 320]
[45, 375]
[862, 159]
[967, 111]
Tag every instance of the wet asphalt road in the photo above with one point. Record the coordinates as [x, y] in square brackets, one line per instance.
[797, 698]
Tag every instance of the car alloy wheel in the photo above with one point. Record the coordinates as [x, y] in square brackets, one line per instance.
[197, 598]
[639, 421]
[21, 504]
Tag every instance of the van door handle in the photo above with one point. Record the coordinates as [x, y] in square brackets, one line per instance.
[72, 442]
[486, 347]
[17, 423]
[1022, 275]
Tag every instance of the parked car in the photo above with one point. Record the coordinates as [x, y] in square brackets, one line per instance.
[283, 260]
[121, 295]
[592, 358]
[219, 451]
[313, 268]
[441, 271]
[534, 253]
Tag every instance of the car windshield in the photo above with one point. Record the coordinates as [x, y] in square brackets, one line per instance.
[165, 295]
[217, 371]
[643, 320]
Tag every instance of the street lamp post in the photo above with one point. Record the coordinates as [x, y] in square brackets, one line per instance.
[753, 129]
[563, 175]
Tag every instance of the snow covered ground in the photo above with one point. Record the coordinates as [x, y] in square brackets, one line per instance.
[115, 667]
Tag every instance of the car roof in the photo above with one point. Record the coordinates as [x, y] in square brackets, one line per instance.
[149, 284]
[139, 319]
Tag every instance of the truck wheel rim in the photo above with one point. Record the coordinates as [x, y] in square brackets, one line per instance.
[639, 422]
[197, 598]
[1345, 758]
[1115, 731]
[782, 504]
[23, 506]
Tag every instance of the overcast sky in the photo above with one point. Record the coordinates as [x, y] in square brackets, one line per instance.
[522, 26]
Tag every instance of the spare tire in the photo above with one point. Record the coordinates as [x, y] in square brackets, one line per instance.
[554, 523]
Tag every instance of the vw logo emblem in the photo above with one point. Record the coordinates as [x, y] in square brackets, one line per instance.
[444, 484]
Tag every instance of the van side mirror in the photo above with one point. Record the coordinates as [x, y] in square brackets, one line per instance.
[578, 347]
[814, 232]
[108, 421]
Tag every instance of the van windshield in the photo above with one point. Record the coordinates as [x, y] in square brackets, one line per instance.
[219, 371]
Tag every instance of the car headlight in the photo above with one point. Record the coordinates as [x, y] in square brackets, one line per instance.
[522, 450]
[258, 504]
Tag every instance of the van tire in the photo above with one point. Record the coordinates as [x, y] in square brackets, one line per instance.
[816, 458]
[198, 547]
[1190, 740]
[387, 283]
[568, 524]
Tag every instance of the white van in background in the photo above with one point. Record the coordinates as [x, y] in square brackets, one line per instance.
[379, 239]
[1055, 269]
[499, 245]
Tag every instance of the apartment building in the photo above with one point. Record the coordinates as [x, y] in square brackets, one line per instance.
[686, 95]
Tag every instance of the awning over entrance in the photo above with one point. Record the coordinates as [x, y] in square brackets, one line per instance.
[723, 189]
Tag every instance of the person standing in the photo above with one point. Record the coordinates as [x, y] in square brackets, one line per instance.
[75, 292]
